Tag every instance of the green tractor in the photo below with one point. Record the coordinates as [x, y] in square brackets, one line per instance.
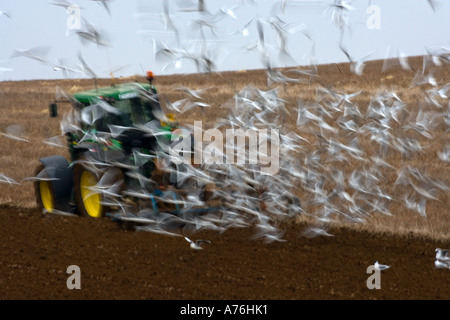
[114, 140]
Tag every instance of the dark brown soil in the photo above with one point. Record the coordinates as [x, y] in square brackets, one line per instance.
[37, 248]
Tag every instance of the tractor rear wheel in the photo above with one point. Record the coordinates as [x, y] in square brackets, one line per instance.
[88, 200]
[94, 185]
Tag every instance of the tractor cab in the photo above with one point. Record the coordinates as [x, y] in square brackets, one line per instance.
[122, 105]
[116, 112]
[115, 136]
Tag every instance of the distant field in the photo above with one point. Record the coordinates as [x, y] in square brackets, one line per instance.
[25, 103]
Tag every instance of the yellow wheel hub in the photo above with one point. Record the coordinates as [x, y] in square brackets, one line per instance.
[46, 192]
[91, 199]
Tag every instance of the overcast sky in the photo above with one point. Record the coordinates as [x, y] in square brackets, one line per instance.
[133, 30]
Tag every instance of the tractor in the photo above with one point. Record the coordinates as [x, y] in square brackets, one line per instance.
[115, 137]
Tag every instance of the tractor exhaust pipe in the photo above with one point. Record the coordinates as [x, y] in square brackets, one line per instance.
[53, 108]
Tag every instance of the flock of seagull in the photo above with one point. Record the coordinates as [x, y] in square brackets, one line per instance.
[334, 166]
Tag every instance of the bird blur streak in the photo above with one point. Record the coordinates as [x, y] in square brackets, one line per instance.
[63, 213]
[8, 180]
[157, 230]
[312, 232]
[13, 137]
[15, 132]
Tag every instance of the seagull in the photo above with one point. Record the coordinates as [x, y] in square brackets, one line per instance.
[55, 142]
[36, 53]
[357, 67]
[176, 106]
[400, 59]
[6, 179]
[380, 266]
[243, 30]
[191, 105]
[60, 66]
[441, 265]
[229, 12]
[85, 68]
[191, 92]
[4, 69]
[194, 6]
[314, 232]
[91, 34]
[104, 4]
[3, 13]
[168, 21]
[444, 155]
[63, 3]
[442, 254]
[15, 132]
[433, 4]
[196, 245]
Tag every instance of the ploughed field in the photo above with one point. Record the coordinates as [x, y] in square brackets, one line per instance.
[114, 263]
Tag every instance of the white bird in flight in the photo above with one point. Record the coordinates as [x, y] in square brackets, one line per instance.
[3, 13]
[196, 245]
[442, 265]
[442, 254]
[380, 267]
[314, 232]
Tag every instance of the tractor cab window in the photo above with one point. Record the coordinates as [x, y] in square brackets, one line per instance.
[130, 111]
[135, 111]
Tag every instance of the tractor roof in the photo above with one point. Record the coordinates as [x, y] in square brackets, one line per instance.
[117, 92]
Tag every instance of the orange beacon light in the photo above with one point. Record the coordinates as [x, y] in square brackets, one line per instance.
[149, 76]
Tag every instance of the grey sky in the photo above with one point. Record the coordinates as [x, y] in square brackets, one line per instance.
[133, 27]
